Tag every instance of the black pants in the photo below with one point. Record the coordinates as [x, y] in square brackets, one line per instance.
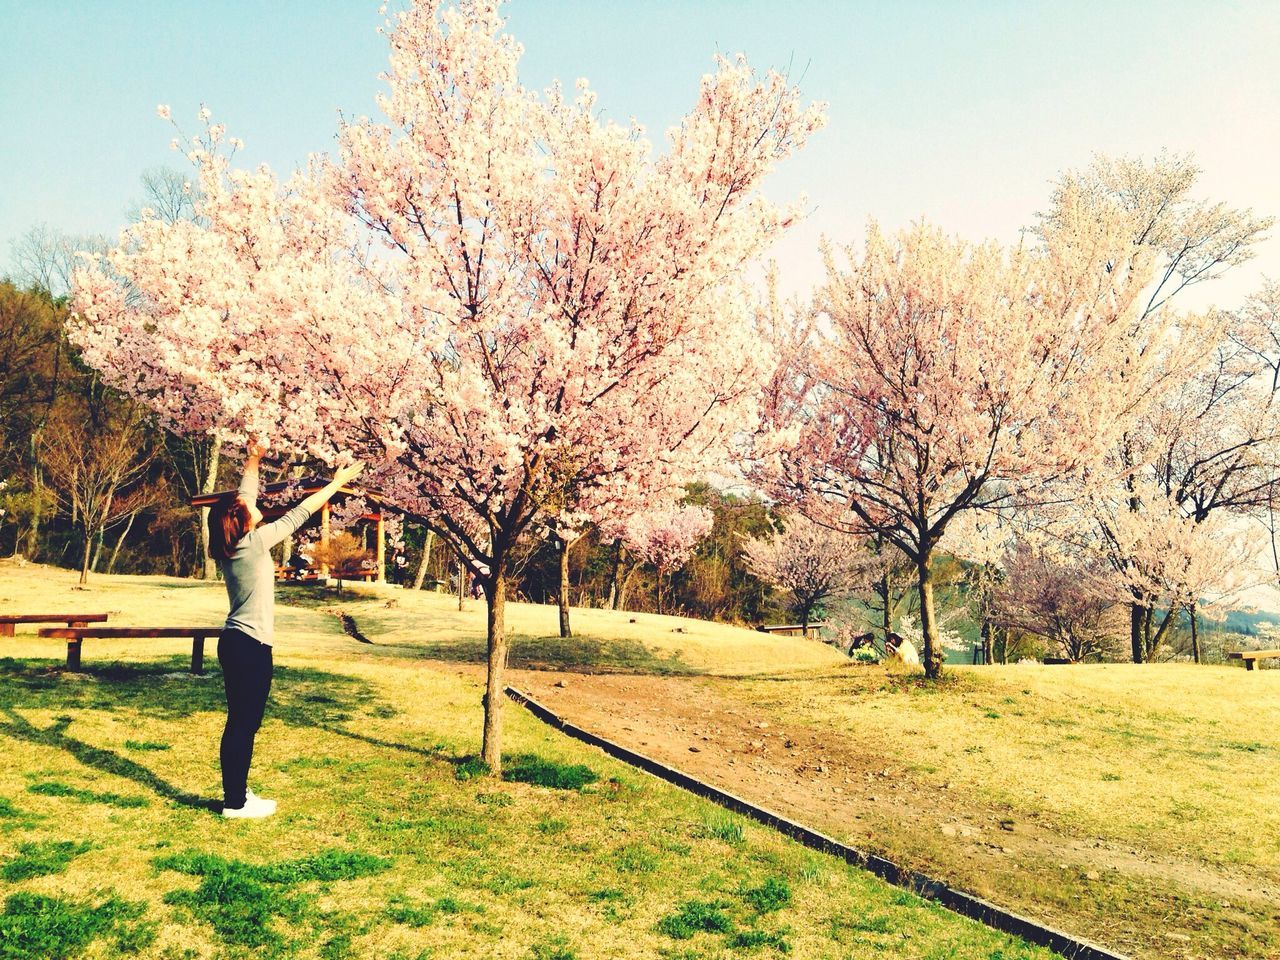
[246, 674]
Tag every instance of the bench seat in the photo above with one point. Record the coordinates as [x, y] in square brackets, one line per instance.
[9, 620]
[75, 637]
[1251, 657]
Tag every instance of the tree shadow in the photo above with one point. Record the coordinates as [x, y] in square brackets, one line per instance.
[55, 735]
[300, 698]
[577, 654]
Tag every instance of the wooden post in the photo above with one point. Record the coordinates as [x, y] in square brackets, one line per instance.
[324, 542]
[197, 654]
[73, 655]
[380, 551]
[6, 629]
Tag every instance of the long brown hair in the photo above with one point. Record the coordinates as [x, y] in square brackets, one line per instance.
[229, 520]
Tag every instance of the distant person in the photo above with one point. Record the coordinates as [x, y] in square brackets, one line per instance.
[298, 565]
[243, 551]
[898, 647]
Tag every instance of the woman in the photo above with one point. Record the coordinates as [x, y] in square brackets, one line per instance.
[242, 549]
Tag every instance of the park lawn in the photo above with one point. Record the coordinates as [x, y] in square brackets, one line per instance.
[427, 624]
[411, 624]
[386, 845]
[1163, 778]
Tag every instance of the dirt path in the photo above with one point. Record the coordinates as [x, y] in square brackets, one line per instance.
[1126, 898]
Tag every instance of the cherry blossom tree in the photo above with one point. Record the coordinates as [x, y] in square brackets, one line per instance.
[811, 562]
[1068, 599]
[935, 376]
[594, 323]
[503, 302]
[1174, 559]
[665, 537]
[1208, 439]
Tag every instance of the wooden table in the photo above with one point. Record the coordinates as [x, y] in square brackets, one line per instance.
[75, 637]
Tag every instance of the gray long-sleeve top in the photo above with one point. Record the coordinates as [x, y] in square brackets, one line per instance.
[250, 573]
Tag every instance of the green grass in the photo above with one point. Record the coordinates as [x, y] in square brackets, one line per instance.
[38, 927]
[542, 772]
[241, 902]
[42, 859]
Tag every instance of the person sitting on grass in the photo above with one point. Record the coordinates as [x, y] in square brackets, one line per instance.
[242, 549]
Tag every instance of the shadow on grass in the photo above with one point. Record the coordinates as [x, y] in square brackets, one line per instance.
[564, 654]
[300, 697]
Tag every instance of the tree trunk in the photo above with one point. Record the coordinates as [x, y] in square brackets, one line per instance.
[208, 567]
[111, 564]
[988, 642]
[931, 657]
[884, 588]
[496, 595]
[804, 621]
[1136, 611]
[84, 559]
[615, 588]
[1156, 635]
[624, 589]
[1148, 612]
[426, 559]
[659, 590]
[462, 581]
[37, 500]
[1195, 632]
[562, 548]
[97, 549]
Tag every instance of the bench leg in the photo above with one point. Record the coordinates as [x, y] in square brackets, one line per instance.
[73, 655]
[6, 629]
[1248, 664]
[197, 656]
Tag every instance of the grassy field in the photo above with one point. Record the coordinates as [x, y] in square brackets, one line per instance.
[386, 845]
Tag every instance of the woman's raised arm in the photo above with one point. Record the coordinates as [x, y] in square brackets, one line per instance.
[273, 533]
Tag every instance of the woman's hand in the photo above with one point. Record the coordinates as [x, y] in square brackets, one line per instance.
[344, 475]
[256, 449]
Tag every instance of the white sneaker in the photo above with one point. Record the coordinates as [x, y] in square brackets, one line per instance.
[250, 795]
[254, 808]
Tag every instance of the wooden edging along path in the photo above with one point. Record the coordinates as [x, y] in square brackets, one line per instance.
[958, 901]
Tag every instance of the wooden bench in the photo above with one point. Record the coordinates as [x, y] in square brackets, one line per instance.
[1251, 657]
[75, 637]
[354, 571]
[8, 620]
[297, 574]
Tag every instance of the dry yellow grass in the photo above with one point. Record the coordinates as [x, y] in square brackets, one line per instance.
[1178, 756]
[420, 623]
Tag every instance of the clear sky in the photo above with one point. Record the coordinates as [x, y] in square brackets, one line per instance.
[959, 112]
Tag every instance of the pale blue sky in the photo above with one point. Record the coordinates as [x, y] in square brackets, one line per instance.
[957, 112]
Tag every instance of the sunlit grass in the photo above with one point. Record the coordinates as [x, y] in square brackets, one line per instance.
[380, 848]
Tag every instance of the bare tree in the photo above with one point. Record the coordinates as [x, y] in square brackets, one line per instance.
[93, 472]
